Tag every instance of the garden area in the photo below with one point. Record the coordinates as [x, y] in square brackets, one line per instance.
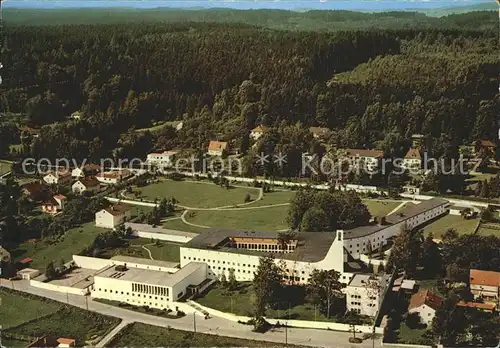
[25, 317]
[142, 335]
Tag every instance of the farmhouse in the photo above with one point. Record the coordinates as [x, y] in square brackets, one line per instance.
[319, 132]
[59, 177]
[114, 177]
[163, 159]
[218, 148]
[485, 285]
[112, 216]
[257, 132]
[86, 170]
[54, 205]
[89, 184]
[425, 303]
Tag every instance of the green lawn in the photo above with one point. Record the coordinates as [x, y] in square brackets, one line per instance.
[162, 252]
[198, 194]
[13, 304]
[440, 226]
[34, 316]
[410, 336]
[485, 230]
[178, 225]
[142, 335]
[380, 207]
[240, 302]
[5, 167]
[275, 197]
[72, 242]
[271, 219]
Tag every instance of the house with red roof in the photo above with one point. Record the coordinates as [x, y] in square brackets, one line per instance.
[484, 146]
[54, 205]
[425, 303]
[257, 132]
[112, 216]
[412, 159]
[485, 285]
[89, 184]
[218, 148]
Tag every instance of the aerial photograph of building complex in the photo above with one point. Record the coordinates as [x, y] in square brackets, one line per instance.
[250, 173]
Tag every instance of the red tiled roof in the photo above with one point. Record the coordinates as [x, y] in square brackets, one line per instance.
[413, 154]
[114, 175]
[89, 182]
[425, 297]
[91, 167]
[259, 129]
[487, 278]
[364, 153]
[60, 196]
[26, 260]
[63, 340]
[117, 209]
[487, 306]
[217, 145]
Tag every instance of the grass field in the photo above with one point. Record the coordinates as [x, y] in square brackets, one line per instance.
[35, 316]
[162, 252]
[32, 308]
[198, 194]
[275, 197]
[181, 226]
[5, 167]
[380, 207]
[271, 219]
[485, 230]
[410, 336]
[440, 226]
[240, 302]
[142, 335]
[72, 242]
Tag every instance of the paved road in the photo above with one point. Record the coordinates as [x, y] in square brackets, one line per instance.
[216, 326]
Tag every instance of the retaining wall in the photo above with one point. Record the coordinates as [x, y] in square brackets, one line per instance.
[58, 288]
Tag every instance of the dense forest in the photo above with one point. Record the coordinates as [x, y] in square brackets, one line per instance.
[371, 88]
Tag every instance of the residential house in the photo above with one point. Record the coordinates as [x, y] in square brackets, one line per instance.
[218, 148]
[485, 285]
[425, 303]
[369, 159]
[112, 216]
[114, 177]
[162, 159]
[59, 177]
[485, 307]
[484, 146]
[86, 170]
[76, 116]
[35, 191]
[52, 342]
[320, 132]
[412, 159]
[54, 205]
[89, 184]
[257, 132]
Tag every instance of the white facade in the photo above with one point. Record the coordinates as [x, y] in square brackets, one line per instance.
[164, 159]
[79, 187]
[77, 173]
[364, 294]
[106, 219]
[244, 265]
[412, 163]
[54, 178]
[425, 312]
[356, 246]
[152, 288]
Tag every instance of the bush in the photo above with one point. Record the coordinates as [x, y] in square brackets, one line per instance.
[247, 198]
[355, 340]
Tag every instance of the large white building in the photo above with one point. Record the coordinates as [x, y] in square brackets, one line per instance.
[162, 159]
[368, 160]
[240, 250]
[151, 286]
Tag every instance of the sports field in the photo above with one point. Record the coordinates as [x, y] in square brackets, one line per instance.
[198, 194]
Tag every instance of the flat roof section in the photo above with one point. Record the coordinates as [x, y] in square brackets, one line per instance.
[311, 246]
[147, 262]
[150, 277]
[159, 230]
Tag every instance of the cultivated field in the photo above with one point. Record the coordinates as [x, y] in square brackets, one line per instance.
[28, 316]
[142, 335]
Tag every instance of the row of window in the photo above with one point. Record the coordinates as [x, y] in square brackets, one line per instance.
[150, 289]
[128, 294]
